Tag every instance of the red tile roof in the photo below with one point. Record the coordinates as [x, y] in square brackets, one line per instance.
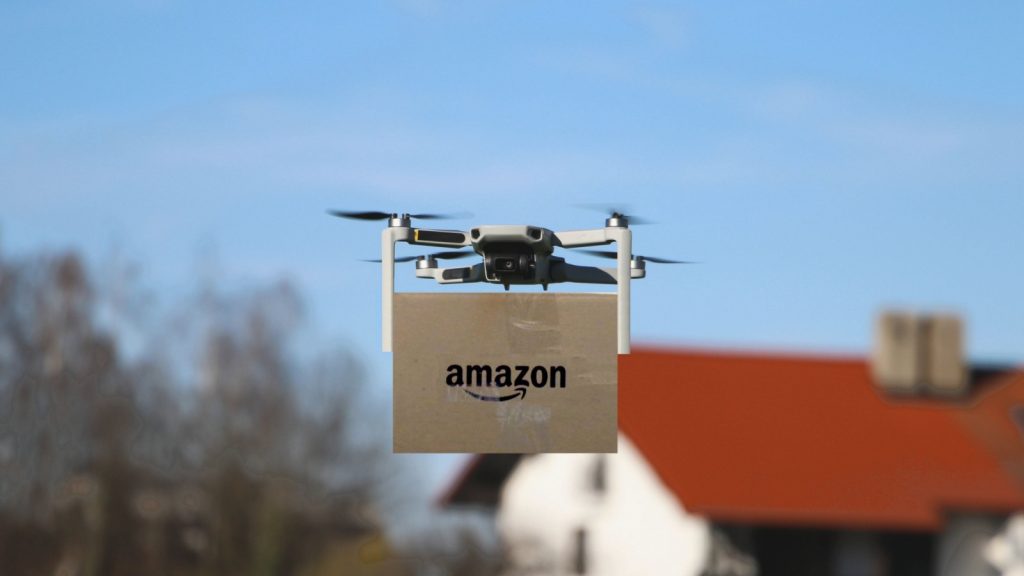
[801, 440]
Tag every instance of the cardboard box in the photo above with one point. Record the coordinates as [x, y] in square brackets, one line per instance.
[505, 373]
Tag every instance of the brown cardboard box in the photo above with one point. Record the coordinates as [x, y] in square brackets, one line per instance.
[513, 373]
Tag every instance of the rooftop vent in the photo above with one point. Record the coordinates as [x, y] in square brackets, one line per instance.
[919, 354]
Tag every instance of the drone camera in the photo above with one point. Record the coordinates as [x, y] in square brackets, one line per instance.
[510, 266]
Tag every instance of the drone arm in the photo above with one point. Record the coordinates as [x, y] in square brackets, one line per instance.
[623, 237]
[388, 238]
[565, 272]
[457, 275]
[581, 238]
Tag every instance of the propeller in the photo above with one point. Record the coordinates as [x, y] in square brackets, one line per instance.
[446, 255]
[374, 215]
[615, 211]
[613, 255]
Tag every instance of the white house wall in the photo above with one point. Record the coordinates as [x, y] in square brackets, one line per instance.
[636, 527]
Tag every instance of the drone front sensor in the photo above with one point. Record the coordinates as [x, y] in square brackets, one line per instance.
[439, 237]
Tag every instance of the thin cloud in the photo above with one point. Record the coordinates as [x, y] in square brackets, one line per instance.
[867, 127]
[669, 26]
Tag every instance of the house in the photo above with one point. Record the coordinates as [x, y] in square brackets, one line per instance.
[770, 464]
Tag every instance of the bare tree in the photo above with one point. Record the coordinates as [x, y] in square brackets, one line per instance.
[247, 461]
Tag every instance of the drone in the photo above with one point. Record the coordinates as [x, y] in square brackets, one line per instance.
[510, 255]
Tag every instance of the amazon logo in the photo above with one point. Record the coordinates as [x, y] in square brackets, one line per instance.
[481, 380]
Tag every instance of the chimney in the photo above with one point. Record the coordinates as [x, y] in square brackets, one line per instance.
[919, 354]
[946, 368]
[895, 358]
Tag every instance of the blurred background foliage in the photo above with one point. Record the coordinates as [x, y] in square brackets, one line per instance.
[198, 441]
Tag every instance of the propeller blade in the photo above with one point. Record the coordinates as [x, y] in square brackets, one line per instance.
[446, 255]
[611, 254]
[638, 220]
[360, 215]
[452, 216]
[376, 215]
[602, 253]
[397, 259]
[604, 208]
[664, 260]
[452, 254]
[615, 210]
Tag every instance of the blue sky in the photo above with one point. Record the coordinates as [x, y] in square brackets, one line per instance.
[820, 159]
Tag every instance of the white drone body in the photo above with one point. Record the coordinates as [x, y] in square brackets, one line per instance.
[513, 255]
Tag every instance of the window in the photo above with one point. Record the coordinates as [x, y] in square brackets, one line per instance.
[599, 475]
[579, 560]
